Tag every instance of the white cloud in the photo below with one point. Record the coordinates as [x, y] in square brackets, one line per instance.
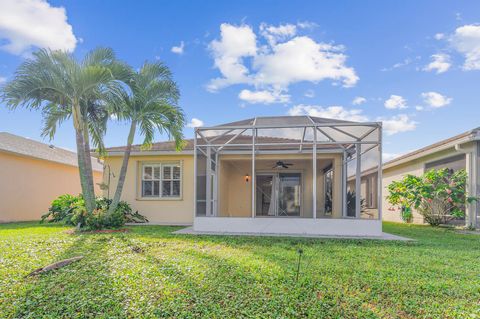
[466, 40]
[359, 100]
[419, 108]
[235, 44]
[281, 33]
[194, 122]
[391, 125]
[310, 93]
[395, 102]
[281, 59]
[440, 63]
[3, 79]
[178, 49]
[405, 62]
[34, 23]
[263, 97]
[439, 36]
[397, 124]
[307, 25]
[435, 99]
[332, 112]
[302, 59]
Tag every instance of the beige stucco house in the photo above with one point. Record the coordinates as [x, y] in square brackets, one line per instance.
[284, 174]
[458, 152]
[32, 174]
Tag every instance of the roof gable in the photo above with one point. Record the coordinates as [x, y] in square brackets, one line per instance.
[26, 147]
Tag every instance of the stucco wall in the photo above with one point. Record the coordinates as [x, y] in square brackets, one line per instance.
[157, 210]
[235, 194]
[394, 173]
[28, 185]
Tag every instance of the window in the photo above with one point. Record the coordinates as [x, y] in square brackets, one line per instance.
[328, 184]
[455, 163]
[161, 180]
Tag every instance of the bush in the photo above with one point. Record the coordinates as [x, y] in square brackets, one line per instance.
[437, 195]
[71, 210]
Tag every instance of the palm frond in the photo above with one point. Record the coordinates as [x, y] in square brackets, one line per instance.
[53, 116]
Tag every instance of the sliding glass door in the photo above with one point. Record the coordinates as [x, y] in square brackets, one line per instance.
[278, 194]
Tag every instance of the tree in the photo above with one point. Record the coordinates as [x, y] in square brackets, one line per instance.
[438, 195]
[63, 88]
[151, 105]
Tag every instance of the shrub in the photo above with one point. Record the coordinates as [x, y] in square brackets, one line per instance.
[438, 195]
[71, 210]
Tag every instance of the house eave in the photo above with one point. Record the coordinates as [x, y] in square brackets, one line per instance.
[471, 137]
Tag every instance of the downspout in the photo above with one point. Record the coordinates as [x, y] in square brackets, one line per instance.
[472, 176]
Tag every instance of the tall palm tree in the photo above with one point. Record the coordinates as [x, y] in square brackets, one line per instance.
[151, 105]
[64, 88]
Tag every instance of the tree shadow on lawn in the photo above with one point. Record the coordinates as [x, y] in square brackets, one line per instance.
[80, 290]
[378, 274]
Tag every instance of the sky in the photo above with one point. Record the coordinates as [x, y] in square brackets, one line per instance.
[414, 65]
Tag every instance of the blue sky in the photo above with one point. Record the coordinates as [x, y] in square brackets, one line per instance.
[413, 64]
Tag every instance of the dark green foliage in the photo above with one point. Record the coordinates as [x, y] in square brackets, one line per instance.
[71, 210]
[351, 203]
[438, 195]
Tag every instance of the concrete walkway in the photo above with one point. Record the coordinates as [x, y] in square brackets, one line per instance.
[385, 236]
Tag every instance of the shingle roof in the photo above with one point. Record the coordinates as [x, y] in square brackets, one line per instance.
[427, 149]
[242, 139]
[283, 120]
[26, 147]
[259, 121]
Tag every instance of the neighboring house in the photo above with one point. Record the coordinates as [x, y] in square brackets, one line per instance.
[32, 174]
[298, 165]
[458, 152]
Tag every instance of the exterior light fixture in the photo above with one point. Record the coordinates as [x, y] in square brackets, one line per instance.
[247, 178]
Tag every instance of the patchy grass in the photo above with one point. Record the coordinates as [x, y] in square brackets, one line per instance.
[150, 273]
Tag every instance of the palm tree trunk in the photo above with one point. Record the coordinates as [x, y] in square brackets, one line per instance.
[88, 161]
[87, 191]
[123, 170]
[82, 170]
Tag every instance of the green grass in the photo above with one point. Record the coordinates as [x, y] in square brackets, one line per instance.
[150, 273]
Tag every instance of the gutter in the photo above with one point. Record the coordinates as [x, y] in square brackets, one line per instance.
[474, 136]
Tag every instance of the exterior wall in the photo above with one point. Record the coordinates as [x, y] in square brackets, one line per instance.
[235, 194]
[414, 167]
[28, 186]
[368, 184]
[157, 210]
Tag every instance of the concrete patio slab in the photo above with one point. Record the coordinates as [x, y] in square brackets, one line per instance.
[384, 236]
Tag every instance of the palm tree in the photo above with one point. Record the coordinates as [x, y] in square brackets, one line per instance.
[151, 105]
[63, 88]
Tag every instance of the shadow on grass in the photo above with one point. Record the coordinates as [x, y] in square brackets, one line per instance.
[80, 290]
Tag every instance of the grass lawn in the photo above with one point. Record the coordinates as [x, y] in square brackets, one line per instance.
[150, 273]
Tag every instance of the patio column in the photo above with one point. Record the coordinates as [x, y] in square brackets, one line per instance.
[195, 173]
[314, 175]
[254, 132]
[209, 182]
[344, 184]
[379, 175]
[472, 173]
[358, 180]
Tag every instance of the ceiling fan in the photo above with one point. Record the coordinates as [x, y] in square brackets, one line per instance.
[282, 164]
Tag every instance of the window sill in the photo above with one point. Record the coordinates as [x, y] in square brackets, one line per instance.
[159, 199]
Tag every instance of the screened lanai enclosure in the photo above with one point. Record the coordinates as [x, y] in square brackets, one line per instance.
[288, 175]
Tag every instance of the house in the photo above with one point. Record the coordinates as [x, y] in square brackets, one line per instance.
[285, 174]
[32, 174]
[458, 152]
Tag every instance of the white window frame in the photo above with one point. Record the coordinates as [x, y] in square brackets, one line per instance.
[161, 179]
